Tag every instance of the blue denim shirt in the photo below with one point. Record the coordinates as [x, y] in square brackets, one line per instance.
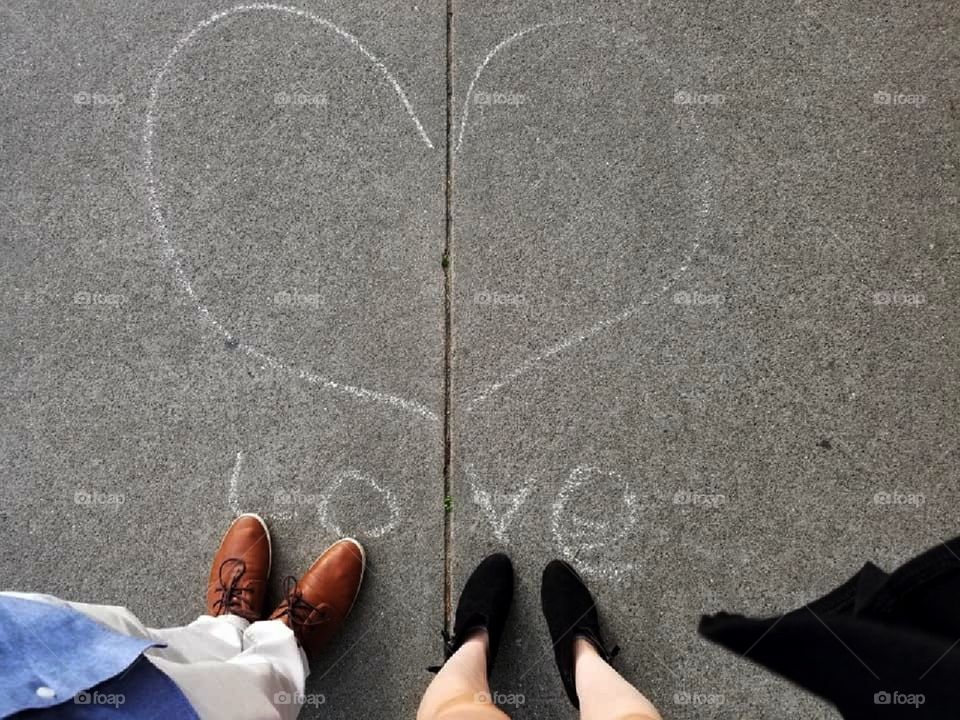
[55, 662]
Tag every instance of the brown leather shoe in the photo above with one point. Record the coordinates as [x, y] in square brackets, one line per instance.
[316, 607]
[241, 567]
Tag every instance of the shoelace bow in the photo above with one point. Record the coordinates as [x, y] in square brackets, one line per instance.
[231, 600]
[298, 610]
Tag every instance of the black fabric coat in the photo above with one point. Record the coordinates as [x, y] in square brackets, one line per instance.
[880, 646]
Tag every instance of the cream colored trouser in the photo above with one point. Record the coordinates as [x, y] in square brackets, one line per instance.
[227, 667]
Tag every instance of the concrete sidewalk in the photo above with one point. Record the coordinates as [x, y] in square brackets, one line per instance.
[703, 314]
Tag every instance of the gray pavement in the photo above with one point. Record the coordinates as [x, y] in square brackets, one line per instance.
[307, 215]
[704, 314]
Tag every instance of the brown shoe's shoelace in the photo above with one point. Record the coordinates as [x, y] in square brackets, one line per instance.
[298, 610]
[231, 600]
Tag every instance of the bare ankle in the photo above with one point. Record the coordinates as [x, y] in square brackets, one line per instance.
[481, 636]
[583, 647]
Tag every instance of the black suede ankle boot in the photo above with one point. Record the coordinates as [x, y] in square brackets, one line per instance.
[571, 613]
[484, 605]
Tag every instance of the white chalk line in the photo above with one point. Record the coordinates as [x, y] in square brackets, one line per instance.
[154, 192]
[587, 333]
[484, 499]
[233, 494]
[500, 46]
[490, 55]
[601, 532]
[578, 338]
[323, 508]
[565, 344]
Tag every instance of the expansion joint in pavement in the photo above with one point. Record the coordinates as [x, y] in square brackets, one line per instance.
[448, 330]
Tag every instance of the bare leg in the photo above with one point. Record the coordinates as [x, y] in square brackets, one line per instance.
[461, 690]
[603, 694]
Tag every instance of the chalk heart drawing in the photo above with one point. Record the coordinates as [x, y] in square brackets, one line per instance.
[354, 480]
[588, 538]
[267, 360]
[580, 537]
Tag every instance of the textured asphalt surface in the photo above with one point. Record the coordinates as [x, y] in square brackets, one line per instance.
[704, 313]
